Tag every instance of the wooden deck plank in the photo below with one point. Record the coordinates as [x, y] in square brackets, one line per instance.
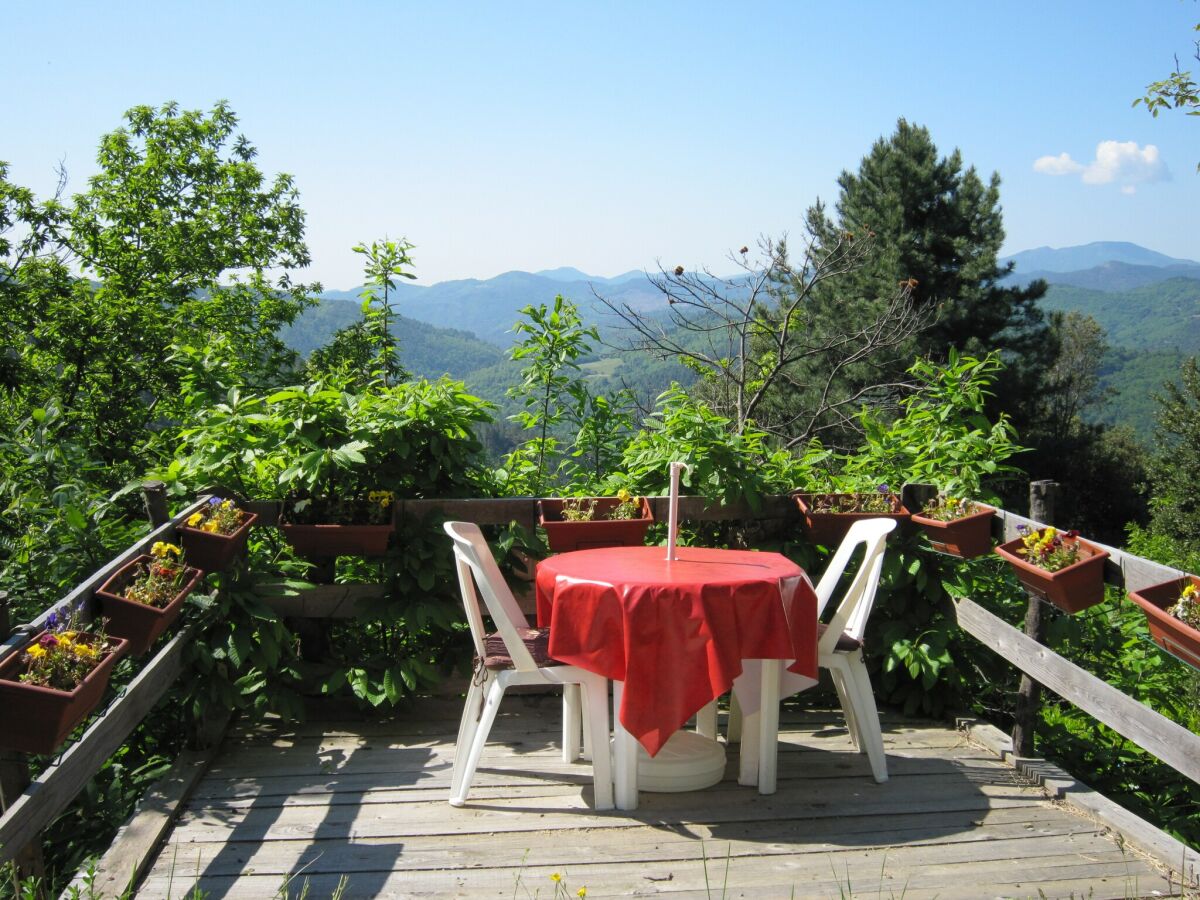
[369, 804]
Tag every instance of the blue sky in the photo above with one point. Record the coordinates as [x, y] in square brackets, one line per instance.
[608, 136]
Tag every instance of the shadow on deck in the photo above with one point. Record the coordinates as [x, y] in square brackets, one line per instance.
[366, 800]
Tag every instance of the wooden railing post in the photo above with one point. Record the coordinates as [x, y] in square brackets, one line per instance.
[155, 495]
[1042, 495]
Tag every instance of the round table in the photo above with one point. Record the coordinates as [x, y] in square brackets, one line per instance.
[672, 634]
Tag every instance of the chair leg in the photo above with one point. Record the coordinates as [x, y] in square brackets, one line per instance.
[733, 732]
[490, 707]
[846, 700]
[466, 730]
[858, 682]
[706, 720]
[595, 702]
[572, 721]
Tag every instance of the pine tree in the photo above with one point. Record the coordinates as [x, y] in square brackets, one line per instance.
[938, 228]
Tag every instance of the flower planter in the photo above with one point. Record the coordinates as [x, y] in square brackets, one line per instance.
[564, 536]
[215, 552]
[828, 528]
[140, 623]
[36, 719]
[966, 537]
[1176, 637]
[1073, 589]
[324, 541]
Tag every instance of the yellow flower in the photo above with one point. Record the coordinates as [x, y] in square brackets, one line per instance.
[624, 496]
[556, 878]
[163, 550]
[1189, 591]
[226, 504]
[85, 651]
[582, 892]
[36, 651]
[194, 519]
[210, 526]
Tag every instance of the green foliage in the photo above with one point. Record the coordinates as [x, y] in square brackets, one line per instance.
[943, 436]
[1176, 91]
[1175, 467]
[367, 349]
[94, 346]
[726, 465]
[552, 392]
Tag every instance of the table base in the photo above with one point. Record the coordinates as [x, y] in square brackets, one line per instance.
[687, 762]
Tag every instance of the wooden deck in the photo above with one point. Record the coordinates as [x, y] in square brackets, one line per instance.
[367, 801]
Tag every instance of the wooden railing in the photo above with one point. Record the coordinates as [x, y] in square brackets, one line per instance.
[30, 805]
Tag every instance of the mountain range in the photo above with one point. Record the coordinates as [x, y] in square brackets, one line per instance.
[1147, 302]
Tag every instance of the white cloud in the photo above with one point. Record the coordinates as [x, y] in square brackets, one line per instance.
[1056, 165]
[1117, 162]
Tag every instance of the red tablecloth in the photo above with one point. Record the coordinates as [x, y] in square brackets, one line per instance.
[675, 633]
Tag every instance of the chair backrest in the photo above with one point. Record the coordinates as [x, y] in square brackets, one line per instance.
[852, 612]
[477, 569]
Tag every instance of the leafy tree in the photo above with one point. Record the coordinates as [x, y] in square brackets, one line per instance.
[1176, 91]
[368, 348]
[939, 229]
[174, 239]
[775, 331]
[555, 340]
[1175, 466]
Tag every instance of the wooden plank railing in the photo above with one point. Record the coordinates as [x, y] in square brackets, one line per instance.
[42, 799]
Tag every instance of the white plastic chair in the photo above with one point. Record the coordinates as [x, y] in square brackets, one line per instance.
[513, 655]
[840, 650]
[840, 645]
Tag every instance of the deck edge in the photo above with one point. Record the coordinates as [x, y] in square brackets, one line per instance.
[1059, 784]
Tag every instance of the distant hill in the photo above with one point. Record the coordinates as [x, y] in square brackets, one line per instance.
[1160, 316]
[1088, 256]
[1112, 276]
[569, 274]
[424, 349]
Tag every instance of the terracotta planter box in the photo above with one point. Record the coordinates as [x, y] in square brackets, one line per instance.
[966, 538]
[1177, 638]
[139, 623]
[215, 552]
[828, 528]
[1073, 589]
[564, 536]
[325, 541]
[35, 719]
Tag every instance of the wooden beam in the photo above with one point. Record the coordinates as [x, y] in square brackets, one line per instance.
[1172, 743]
[54, 789]
[1026, 715]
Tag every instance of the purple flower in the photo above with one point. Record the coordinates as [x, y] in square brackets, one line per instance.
[1023, 529]
[213, 501]
[884, 489]
[52, 621]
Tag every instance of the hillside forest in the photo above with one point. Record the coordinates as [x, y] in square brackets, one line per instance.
[155, 324]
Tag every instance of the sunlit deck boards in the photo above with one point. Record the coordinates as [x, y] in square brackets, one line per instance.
[368, 801]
